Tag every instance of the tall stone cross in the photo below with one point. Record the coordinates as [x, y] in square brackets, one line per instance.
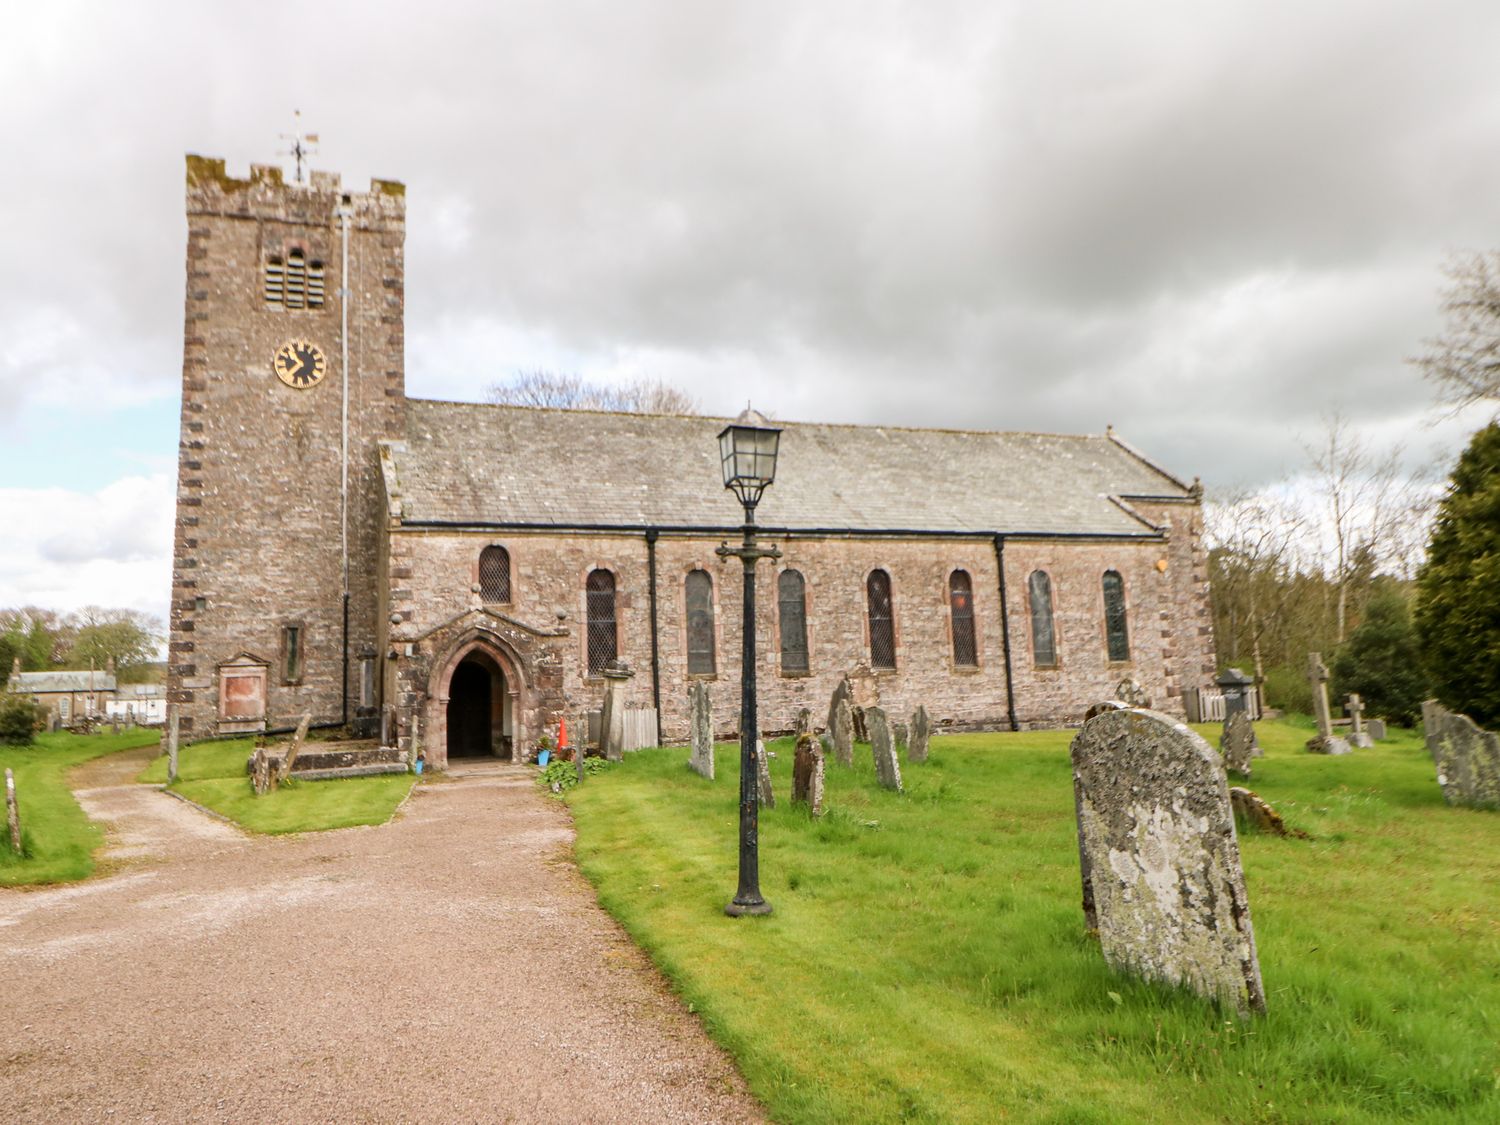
[1317, 673]
[1356, 708]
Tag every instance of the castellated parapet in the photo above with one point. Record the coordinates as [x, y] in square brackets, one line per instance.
[270, 483]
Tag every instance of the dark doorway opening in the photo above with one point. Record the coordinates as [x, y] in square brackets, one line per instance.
[475, 699]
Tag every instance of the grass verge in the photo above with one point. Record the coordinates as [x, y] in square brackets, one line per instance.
[213, 775]
[58, 840]
[927, 961]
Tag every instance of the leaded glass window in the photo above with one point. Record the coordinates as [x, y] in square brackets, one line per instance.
[791, 600]
[494, 574]
[961, 608]
[882, 620]
[699, 593]
[1116, 634]
[603, 635]
[1043, 638]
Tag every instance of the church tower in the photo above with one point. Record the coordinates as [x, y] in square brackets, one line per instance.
[292, 371]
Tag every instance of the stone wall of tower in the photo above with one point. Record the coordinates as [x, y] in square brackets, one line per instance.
[259, 538]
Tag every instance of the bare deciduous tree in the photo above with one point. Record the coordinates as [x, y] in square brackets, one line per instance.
[570, 392]
[1253, 538]
[1465, 360]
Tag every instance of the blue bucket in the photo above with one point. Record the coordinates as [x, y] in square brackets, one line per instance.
[543, 757]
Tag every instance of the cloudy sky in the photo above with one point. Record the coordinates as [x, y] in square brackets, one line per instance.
[1208, 224]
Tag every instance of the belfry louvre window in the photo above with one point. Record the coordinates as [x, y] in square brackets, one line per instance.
[882, 621]
[603, 637]
[1116, 635]
[791, 601]
[494, 575]
[698, 591]
[294, 282]
[961, 607]
[1043, 638]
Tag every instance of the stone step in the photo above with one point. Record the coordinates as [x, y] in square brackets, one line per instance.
[372, 770]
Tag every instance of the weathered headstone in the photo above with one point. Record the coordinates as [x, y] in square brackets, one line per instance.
[1130, 691]
[1237, 743]
[807, 775]
[841, 691]
[260, 772]
[921, 732]
[1467, 757]
[1355, 706]
[701, 707]
[12, 811]
[1325, 742]
[804, 723]
[612, 719]
[1162, 881]
[763, 788]
[887, 766]
[284, 771]
[861, 724]
[843, 733]
[900, 733]
[1253, 809]
[825, 743]
[174, 726]
[1378, 732]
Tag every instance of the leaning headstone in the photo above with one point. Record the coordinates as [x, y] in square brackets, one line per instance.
[612, 719]
[1355, 706]
[1250, 807]
[887, 766]
[1162, 881]
[699, 704]
[921, 732]
[1237, 743]
[1377, 730]
[173, 729]
[763, 788]
[843, 733]
[840, 692]
[284, 771]
[260, 772]
[12, 811]
[1325, 741]
[807, 775]
[1467, 757]
[804, 723]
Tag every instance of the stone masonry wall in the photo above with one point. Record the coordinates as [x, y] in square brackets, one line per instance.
[257, 541]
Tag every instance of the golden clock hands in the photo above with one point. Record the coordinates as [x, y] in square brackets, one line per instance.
[292, 372]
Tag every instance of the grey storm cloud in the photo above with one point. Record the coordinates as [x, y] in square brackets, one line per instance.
[1206, 224]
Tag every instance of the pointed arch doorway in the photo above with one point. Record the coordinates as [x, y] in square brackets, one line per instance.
[479, 707]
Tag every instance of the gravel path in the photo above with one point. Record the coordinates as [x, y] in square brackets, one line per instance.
[449, 966]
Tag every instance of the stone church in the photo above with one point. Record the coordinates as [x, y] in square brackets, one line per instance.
[454, 577]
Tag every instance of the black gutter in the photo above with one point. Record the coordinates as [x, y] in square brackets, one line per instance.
[1010, 690]
[344, 707]
[651, 535]
[810, 532]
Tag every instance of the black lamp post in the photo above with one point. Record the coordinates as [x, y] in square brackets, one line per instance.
[748, 447]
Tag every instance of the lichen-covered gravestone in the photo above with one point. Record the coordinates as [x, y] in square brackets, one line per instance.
[843, 733]
[887, 767]
[1237, 743]
[842, 691]
[1162, 881]
[1377, 730]
[701, 714]
[1325, 742]
[921, 732]
[763, 788]
[804, 723]
[807, 775]
[1467, 757]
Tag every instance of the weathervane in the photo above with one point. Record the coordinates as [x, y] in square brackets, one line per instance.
[301, 144]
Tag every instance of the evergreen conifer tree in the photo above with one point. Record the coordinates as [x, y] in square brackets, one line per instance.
[1380, 662]
[1458, 591]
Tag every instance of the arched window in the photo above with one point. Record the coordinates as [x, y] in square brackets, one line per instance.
[882, 623]
[699, 592]
[1043, 641]
[494, 575]
[603, 638]
[961, 608]
[791, 600]
[1115, 632]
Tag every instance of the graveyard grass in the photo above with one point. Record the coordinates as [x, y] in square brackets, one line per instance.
[213, 775]
[927, 960]
[58, 840]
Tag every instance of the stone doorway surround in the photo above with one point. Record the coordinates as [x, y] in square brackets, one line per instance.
[507, 696]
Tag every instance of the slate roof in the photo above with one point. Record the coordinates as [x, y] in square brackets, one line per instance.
[34, 682]
[480, 463]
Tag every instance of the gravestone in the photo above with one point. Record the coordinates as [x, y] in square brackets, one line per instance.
[260, 772]
[921, 732]
[804, 723]
[763, 788]
[841, 691]
[1377, 730]
[12, 811]
[284, 771]
[900, 734]
[1130, 691]
[887, 767]
[807, 775]
[702, 717]
[1237, 743]
[1325, 742]
[1252, 808]
[582, 750]
[861, 724]
[843, 733]
[825, 743]
[1355, 707]
[1162, 881]
[1467, 757]
[173, 736]
[612, 718]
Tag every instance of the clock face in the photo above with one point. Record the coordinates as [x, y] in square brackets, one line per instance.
[300, 364]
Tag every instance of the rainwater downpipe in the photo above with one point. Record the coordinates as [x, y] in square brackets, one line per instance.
[345, 295]
[651, 536]
[1010, 687]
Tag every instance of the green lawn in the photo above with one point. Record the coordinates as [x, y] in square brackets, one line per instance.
[927, 959]
[58, 840]
[213, 774]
